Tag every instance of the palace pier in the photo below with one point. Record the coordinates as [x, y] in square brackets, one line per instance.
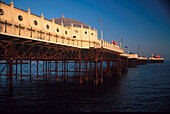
[60, 49]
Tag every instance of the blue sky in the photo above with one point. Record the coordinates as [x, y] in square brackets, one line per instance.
[138, 21]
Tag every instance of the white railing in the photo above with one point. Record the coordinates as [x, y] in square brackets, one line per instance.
[24, 32]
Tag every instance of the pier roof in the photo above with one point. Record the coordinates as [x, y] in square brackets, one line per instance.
[68, 22]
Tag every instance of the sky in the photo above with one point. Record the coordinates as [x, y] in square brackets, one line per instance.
[140, 22]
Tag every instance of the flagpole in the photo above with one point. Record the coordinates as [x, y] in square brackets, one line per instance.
[101, 34]
[101, 31]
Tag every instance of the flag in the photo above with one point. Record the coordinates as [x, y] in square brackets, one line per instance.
[113, 42]
[100, 20]
[117, 44]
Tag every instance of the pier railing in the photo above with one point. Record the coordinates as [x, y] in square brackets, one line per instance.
[21, 31]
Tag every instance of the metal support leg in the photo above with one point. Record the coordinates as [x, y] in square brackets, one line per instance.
[56, 70]
[37, 71]
[30, 70]
[101, 72]
[21, 69]
[96, 72]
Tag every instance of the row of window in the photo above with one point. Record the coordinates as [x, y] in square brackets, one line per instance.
[20, 18]
[47, 26]
[85, 32]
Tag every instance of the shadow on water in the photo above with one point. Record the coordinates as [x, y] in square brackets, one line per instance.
[51, 96]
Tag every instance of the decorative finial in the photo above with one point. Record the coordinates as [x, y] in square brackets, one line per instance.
[12, 4]
[42, 16]
[81, 25]
[28, 11]
[72, 25]
[62, 23]
[63, 16]
[53, 20]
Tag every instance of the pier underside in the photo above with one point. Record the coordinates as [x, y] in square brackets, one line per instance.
[22, 58]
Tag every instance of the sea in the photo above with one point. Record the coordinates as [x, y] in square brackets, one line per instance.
[144, 88]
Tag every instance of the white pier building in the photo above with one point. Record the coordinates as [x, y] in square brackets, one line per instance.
[62, 31]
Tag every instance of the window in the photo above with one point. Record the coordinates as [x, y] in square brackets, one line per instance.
[47, 26]
[35, 23]
[85, 32]
[1, 12]
[92, 34]
[66, 32]
[74, 36]
[57, 30]
[20, 18]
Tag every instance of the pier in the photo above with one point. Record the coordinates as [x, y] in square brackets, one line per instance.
[57, 61]
[34, 47]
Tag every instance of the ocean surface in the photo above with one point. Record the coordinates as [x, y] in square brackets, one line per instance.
[145, 88]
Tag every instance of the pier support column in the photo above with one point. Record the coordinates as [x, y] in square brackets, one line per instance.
[56, 68]
[65, 70]
[30, 69]
[126, 67]
[62, 67]
[86, 71]
[46, 70]
[118, 66]
[76, 70]
[43, 68]
[101, 78]
[96, 72]
[11, 69]
[7, 69]
[108, 68]
[81, 82]
[37, 71]
[49, 68]
[16, 69]
[21, 68]
[91, 69]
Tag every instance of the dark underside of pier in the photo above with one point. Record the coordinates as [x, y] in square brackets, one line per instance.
[60, 62]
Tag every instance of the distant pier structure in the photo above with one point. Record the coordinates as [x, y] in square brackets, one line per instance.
[61, 49]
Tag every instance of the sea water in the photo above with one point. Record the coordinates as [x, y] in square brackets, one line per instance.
[144, 88]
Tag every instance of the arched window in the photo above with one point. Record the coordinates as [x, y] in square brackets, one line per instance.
[85, 32]
[20, 18]
[47, 26]
[92, 34]
[66, 32]
[57, 30]
[35, 23]
[1, 12]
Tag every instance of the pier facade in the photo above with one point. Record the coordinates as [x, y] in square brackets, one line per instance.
[54, 49]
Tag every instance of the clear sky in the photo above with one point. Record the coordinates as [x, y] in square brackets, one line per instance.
[144, 22]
